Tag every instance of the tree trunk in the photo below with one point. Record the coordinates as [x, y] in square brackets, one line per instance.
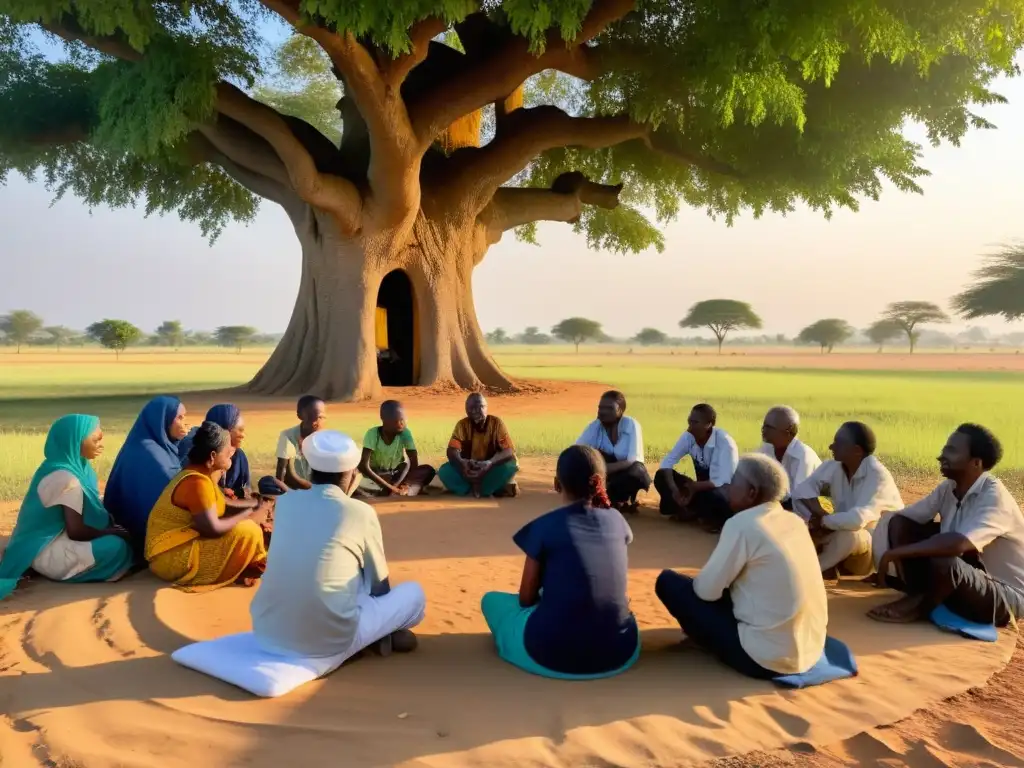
[329, 347]
[720, 341]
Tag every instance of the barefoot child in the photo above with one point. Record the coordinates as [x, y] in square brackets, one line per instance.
[390, 462]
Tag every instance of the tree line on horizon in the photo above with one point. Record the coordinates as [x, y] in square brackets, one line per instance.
[723, 316]
[22, 327]
[998, 291]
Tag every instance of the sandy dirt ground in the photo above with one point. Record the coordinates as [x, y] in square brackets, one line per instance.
[86, 678]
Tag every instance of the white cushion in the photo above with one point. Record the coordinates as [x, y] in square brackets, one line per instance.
[237, 659]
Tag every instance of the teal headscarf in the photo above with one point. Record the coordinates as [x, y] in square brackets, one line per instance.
[37, 525]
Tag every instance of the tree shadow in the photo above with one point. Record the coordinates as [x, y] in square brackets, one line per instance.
[422, 527]
[453, 694]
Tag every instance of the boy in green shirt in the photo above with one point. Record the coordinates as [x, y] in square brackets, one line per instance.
[384, 465]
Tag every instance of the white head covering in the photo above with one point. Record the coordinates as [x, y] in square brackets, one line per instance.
[331, 452]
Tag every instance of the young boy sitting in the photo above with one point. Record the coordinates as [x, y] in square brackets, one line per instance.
[390, 464]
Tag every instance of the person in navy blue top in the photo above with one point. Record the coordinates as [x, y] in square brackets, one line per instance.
[572, 615]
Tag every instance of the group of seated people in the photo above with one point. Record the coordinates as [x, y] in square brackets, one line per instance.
[183, 503]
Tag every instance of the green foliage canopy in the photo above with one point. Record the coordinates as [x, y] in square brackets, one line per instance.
[999, 287]
[721, 316]
[236, 336]
[826, 333]
[19, 326]
[171, 334]
[60, 335]
[117, 335]
[576, 330]
[720, 105]
[908, 315]
[651, 336]
[882, 331]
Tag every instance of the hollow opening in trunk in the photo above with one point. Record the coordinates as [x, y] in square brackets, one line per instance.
[395, 331]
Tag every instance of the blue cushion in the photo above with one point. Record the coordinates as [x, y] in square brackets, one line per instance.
[945, 619]
[836, 663]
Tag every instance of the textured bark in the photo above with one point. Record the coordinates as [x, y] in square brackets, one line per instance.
[329, 349]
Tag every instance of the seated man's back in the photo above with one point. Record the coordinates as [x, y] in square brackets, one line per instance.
[766, 560]
[327, 550]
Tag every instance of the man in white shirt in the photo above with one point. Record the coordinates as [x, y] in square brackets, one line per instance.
[779, 433]
[972, 560]
[620, 442]
[861, 489]
[759, 603]
[714, 456]
[326, 590]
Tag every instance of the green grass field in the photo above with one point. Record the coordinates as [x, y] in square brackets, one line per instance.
[912, 411]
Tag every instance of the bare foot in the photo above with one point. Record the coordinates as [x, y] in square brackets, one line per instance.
[906, 610]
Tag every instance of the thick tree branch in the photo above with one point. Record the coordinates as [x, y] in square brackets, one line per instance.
[420, 35]
[200, 149]
[506, 69]
[244, 147]
[515, 206]
[112, 45]
[394, 162]
[526, 133]
[323, 190]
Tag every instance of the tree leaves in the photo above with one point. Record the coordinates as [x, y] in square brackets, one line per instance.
[998, 287]
[806, 100]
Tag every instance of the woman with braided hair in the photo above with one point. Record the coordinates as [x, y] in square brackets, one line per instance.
[571, 618]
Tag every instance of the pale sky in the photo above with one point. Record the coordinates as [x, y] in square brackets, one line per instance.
[74, 267]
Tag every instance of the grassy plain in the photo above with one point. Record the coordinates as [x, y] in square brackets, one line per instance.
[913, 402]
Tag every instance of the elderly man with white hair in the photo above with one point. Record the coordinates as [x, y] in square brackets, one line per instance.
[326, 590]
[779, 433]
[759, 603]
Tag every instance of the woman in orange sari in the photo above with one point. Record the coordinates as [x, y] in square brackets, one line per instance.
[189, 539]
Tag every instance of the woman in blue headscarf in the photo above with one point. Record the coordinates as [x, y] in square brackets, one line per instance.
[237, 479]
[63, 531]
[146, 464]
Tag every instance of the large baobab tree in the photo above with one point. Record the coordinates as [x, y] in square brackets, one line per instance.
[633, 108]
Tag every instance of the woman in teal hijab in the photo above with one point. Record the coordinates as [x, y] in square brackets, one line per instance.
[63, 531]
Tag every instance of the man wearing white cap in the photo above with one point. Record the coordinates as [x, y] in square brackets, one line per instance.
[326, 590]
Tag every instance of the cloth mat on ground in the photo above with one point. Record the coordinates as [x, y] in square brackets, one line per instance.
[507, 622]
[945, 619]
[238, 659]
[836, 663]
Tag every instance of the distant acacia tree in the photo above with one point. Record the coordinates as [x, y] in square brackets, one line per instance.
[534, 337]
[721, 316]
[881, 331]
[236, 336]
[19, 326]
[60, 336]
[170, 334]
[826, 333]
[650, 337]
[117, 335]
[498, 336]
[577, 330]
[999, 287]
[908, 315]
